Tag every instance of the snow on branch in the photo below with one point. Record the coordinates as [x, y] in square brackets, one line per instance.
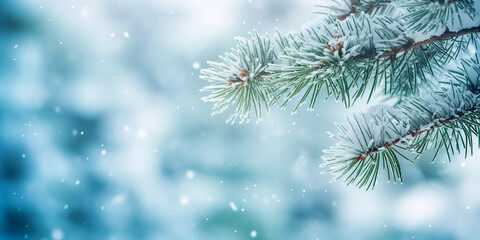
[402, 44]
[443, 120]
[339, 55]
[240, 78]
[341, 9]
[428, 18]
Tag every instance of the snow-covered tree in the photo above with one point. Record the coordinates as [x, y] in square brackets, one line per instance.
[421, 55]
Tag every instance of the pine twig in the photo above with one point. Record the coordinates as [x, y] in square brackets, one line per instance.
[411, 45]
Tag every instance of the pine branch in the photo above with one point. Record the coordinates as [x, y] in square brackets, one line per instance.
[380, 135]
[240, 80]
[412, 135]
[369, 7]
[352, 57]
[403, 45]
[341, 9]
[339, 55]
[426, 18]
[410, 73]
[410, 45]
[414, 71]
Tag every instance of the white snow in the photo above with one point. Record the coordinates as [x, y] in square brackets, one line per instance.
[190, 174]
[196, 65]
[57, 234]
[184, 200]
[233, 206]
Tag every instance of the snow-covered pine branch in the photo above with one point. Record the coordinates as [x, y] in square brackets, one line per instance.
[401, 45]
[340, 55]
[240, 78]
[443, 120]
[341, 9]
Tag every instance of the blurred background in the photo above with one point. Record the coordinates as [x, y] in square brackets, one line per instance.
[103, 136]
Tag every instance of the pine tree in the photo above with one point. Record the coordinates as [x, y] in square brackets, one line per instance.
[422, 55]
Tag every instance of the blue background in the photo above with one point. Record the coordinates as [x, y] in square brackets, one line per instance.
[103, 136]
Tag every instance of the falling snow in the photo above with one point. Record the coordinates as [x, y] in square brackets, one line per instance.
[107, 92]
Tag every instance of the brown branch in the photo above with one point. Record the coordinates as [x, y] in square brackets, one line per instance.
[394, 51]
[343, 17]
[390, 144]
[411, 45]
